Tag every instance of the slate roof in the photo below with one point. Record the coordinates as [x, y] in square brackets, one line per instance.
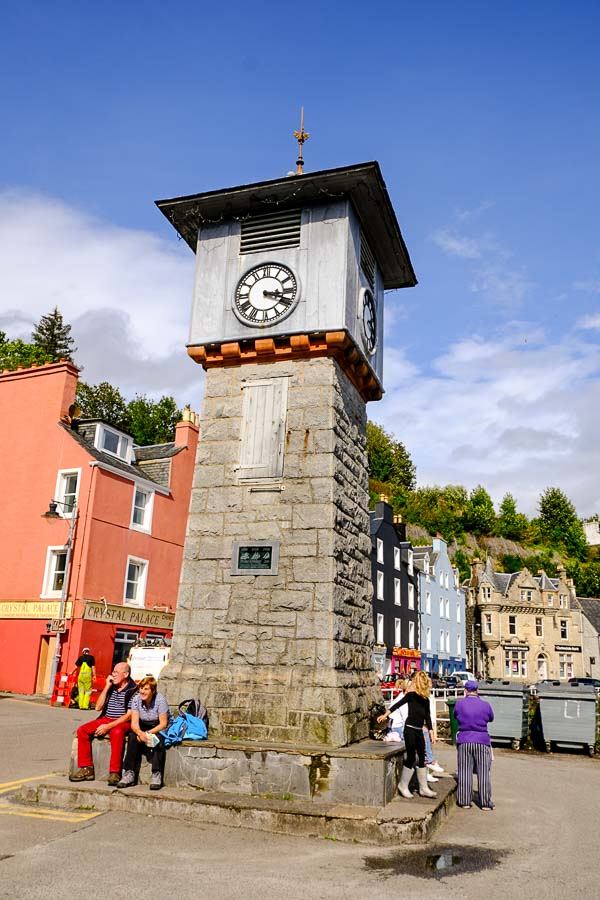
[591, 610]
[503, 581]
[84, 432]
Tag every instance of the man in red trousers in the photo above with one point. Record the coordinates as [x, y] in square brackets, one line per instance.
[115, 714]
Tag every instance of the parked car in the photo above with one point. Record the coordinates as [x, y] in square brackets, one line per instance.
[595, 682]
[460, 677]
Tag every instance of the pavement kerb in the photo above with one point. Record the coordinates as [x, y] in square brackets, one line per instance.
[401, 821]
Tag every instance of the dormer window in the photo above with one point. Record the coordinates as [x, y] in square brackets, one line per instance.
[114, 442]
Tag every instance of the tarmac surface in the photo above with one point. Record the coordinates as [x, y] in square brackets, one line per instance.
[541, 840]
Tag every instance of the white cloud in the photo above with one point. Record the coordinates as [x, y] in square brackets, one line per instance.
[591, 322]
[590, 285]
[467, 215]
[126, 293]
[511, 416]
[457, 245]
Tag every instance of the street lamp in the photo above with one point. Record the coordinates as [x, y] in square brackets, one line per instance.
[51, 515]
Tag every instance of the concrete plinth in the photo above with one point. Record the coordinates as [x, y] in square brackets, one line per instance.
[364, 774]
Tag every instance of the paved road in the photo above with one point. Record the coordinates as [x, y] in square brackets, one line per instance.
[541, 841]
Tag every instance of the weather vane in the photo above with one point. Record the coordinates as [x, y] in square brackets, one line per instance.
[301, 136]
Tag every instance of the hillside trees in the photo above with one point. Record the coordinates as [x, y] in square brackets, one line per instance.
[392, 471]
[558, 522]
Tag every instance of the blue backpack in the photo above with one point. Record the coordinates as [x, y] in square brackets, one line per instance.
[191, 724]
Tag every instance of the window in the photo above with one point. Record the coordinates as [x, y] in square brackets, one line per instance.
[565, 665]
[441, 640]
[428, 638]
[458, 615]
[563, 601]
[411, 596]
[526, 595]
[264, 408]
[512, 624]
[397, 564]
[447, 642]
[459, 644]
[379, 636]
[135, 581]
[487, 623]
[428, 602]
[411, 635]
[124, 640]
[410, 562]
[54, 576]
[515, 663]
[141, 514]
[486, 592]
[441, 607]
[447, 607]
[397, 598]
[67, 485]
[550, 600]
[379, 550]
[380, 585]
[564, 630]
[539, 626]
[397, 633]
[446, 581]
[114, 442]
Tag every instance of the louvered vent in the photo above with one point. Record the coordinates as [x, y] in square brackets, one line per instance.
[271, 231]
[367, 262]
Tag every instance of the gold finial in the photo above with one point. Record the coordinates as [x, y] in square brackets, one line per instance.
[301, 136]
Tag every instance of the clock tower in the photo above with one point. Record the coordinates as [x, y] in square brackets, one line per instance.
[274, 625]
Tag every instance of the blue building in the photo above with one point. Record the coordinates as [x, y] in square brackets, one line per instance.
[442, 610]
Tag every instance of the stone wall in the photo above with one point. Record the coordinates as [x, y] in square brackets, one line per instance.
[286, 657]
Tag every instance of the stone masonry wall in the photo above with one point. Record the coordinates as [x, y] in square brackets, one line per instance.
[284, 658]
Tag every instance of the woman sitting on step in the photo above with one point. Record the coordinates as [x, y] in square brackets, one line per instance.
[419, 715]
[150, 714]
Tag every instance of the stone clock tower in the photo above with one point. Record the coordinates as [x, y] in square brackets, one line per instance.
[274, 626]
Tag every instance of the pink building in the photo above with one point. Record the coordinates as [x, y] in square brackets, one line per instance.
[120, 580]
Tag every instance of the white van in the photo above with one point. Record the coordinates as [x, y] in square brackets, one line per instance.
[148, 658]
[463, 676]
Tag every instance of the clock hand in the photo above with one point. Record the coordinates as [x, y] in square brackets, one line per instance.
[272, 293]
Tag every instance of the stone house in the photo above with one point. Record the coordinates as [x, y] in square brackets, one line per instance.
[442, 610]
[395, 594]
[528, 627]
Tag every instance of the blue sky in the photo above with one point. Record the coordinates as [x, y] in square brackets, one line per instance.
[484, 118]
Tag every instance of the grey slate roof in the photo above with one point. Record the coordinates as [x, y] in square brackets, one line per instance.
[591, 610]
[83, 435]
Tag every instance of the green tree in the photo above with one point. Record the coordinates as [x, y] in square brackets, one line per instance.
[461, 561]
[103, 401]
[438, 509]
[511, 524]
[389, 460]
[152, 422]
[479, 516]
[54, 336]
[18, 353]
[559, 524]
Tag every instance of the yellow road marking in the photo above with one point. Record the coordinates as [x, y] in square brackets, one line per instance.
[34, 812]
[6, 786]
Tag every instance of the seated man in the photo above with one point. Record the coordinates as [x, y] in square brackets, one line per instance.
[114, 720]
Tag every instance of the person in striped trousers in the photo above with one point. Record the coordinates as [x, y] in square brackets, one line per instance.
[474, 748]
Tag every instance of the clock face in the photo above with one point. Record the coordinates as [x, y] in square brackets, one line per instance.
[266, 294]
[369, 322]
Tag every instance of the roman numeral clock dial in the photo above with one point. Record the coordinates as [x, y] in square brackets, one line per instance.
[265, 295]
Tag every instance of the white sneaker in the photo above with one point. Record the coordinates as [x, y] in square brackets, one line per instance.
[431, 777]
[435, 767]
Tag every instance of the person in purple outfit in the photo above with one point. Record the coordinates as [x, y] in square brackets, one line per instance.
[474, 748]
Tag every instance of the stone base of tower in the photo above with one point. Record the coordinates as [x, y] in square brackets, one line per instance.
[283, 657]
